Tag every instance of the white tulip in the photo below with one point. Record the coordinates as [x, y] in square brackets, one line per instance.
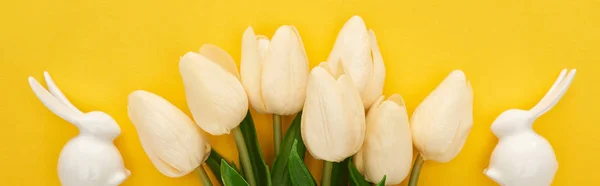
[441, 123]
[387, 150]
[333, 119]
[213, 91]
[170, 138]
[274, 73]
[358, 50]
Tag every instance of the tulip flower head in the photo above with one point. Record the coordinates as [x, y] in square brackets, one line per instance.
[274, 73]
[213, 91]
[387, 150]
[441, 123]
[357, 48]
[333, 119]
[170, 138]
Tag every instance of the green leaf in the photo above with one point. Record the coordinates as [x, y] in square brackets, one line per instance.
[356, 179]
[279, 172]
[235, 167]
[382, 182]
[299, 174]
[230, 177]
[261, 171]
[339, 173]
[214, 163]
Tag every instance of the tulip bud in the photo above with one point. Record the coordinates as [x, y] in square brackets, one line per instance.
[441, 123]
[274, 72]
[214, 93]
[170, 138]
[333, 119]
[387, 150]
[358, 50]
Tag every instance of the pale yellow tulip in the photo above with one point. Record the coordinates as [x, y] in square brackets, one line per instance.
[357, 48]
[441, 123]
[333, 119]
[274, 73]
[213, 91]
[170, 138]
[387, 150]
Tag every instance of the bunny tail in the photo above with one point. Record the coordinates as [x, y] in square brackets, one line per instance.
[119, 177]
[494, 175]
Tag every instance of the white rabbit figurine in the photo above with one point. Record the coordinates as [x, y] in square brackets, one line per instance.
[90, 158]
[523, 157]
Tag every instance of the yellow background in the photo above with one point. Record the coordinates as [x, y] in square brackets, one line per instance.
[99, 51]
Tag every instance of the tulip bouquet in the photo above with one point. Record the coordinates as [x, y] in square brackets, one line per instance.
[341, 116]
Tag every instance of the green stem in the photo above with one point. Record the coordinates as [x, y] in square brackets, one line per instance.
[276, 133]
[244, 157]
[327, 167]
[203, 176]
[416, 170]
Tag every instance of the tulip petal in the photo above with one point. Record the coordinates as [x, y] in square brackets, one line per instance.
[354, 114]
[358, 161]
[215, 97]
[335, 69]
[285, 72]
[352, 47]
[374, 87]
[253, 50]
[387, 149]
[465, 123]
[333, 122]
[219, 57]
[321, 94]
[170, 138]
[442, 122]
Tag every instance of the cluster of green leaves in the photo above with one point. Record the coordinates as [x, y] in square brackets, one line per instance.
[288, 168]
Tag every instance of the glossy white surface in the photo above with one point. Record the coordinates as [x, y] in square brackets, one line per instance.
[522, 157]
[90, 158]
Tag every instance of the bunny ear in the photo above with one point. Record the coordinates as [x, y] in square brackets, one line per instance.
[558, 89]
[52, 103]
[558, 80]
[58, 94]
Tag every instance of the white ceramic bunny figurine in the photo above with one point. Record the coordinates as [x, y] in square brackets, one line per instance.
[90, 158]
[523, 157]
